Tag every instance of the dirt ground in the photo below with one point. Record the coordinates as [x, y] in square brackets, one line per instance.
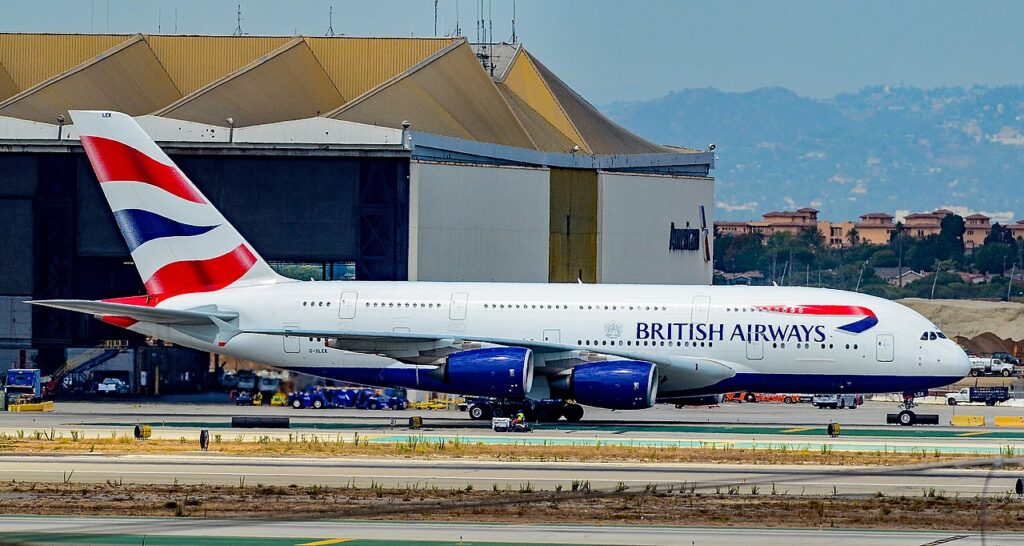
[747, 507]
[41, 442]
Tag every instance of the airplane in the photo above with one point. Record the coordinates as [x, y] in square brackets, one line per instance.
[603, 345]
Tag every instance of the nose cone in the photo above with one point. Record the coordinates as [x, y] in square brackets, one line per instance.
[960, 360]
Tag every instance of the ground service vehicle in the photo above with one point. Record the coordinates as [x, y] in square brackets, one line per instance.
[23, 385]
[837, 401]
[112, 385]
[604, 345]
[989, 395]
[991, 366]
[1007, 357]
[506, 424]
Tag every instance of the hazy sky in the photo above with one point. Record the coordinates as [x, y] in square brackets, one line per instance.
[619, 50]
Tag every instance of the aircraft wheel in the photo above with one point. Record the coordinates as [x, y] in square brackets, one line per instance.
[477, 413]
[573, 412]
[907, 418]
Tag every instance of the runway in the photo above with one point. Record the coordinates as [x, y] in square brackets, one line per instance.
[204, 532]
[460, 473]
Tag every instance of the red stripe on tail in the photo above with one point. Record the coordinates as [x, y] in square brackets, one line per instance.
[202, 275]
[114, 161]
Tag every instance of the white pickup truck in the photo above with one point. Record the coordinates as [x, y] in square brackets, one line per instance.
[991, 366]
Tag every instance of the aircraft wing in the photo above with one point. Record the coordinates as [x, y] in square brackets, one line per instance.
[692, 371]
[140, 313]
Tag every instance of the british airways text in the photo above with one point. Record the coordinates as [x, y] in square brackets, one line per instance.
[685, 331]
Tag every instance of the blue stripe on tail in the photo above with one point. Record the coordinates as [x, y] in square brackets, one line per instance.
[141, 226]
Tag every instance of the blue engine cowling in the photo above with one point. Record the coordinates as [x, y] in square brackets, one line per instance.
[498, 372]
[615, 384]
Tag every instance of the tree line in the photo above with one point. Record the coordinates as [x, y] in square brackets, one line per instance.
[805, 260]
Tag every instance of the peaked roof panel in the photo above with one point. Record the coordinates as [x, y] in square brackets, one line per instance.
[603, 135]
[357, 65]
[284, 85]
[447, 94]
[523, 79]
[194, 61]
[544, 135]
[33, 58]
[7, 86]
[127, 78]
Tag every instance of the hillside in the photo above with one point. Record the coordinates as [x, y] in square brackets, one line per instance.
[880, 149]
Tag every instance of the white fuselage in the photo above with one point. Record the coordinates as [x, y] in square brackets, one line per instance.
[760, 332]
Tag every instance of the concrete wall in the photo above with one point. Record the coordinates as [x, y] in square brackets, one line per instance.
[475, 223]
[635, 214]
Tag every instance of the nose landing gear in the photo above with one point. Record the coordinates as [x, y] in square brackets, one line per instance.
[907, 417]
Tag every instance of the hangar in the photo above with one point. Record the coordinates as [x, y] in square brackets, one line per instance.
[338, 158]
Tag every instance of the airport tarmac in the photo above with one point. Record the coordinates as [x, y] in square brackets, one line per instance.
[101, 412]
[206, 532]
[485, 475]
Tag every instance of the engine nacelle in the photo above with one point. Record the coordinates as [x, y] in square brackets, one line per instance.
[498, 372]
[614, 384]
[706, 400]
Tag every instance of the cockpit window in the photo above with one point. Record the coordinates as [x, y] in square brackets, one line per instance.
[924, 336]
[941, 335]
[932, 336]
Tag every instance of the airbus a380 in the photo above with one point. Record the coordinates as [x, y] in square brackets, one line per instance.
[611, 346]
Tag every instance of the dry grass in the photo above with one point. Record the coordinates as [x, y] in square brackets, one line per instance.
[300, 445]
[653, 506]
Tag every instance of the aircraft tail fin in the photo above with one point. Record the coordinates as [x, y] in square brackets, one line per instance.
[179, 241]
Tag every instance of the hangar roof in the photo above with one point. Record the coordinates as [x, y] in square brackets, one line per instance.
[437, 84]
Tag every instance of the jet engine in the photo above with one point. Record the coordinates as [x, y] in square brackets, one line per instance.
[613, 384]
[499, 372]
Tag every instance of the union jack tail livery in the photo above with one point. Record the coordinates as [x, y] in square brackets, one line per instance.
[179, 241]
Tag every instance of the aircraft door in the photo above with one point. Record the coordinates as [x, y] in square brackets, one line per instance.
[701, 305]
[553, 336]
[347, 309]
[884, 350]
[755, 350]
[291, 343]
[458, 308]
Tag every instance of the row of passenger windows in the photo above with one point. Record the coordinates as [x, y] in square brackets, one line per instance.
[406, 305]
[932, 336]
[510, 306]
[630, 343]
[316, 304]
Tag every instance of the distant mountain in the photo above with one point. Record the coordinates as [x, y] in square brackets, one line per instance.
[880, 149]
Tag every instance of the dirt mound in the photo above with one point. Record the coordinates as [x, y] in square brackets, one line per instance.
[980, 327]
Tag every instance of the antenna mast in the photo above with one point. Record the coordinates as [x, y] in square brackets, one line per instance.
[330, 21]
[238, 15]
[435, 18]
[515, 39]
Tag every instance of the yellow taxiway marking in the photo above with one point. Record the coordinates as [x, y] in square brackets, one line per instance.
[976, 433]
[326, 542]
[798, 429]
